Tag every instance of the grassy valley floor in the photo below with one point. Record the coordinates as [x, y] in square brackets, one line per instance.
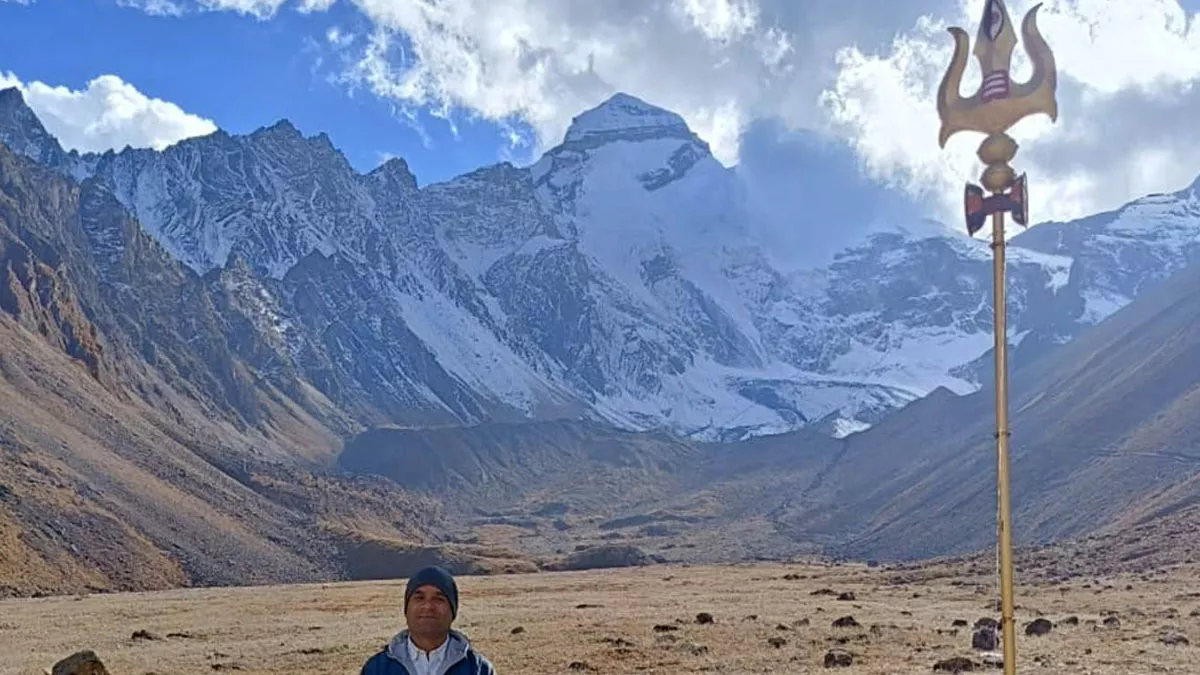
[765, 619]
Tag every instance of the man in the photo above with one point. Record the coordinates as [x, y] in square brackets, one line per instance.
[429, 646]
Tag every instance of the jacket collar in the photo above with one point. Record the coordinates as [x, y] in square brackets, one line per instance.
[456, 645]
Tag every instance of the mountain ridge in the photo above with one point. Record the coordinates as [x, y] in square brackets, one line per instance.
[626, 279]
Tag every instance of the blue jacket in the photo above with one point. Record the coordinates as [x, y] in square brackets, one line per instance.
[461, 658]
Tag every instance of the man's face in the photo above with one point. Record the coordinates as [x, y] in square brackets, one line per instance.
[428, 612]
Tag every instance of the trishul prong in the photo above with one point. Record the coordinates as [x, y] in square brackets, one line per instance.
[998, 104]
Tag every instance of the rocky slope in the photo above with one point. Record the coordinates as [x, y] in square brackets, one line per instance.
[626, 277]
[137, 448]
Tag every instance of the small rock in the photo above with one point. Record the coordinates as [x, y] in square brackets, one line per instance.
[824, 591]
[579, 665]
[518, 630]
[665, 628]
[776, 642]
[782, 626]
[959, 623]
[704, 618]
[837, 658]
[143, 635]
[1112, 622]
[800, 623]
[83, 662]
[1070, 621]
[846, 597]
[1038, 627]
[957, 664]
[984, 640]
[993, 660]
[1174, 638]
[620, 643]
[845, 622]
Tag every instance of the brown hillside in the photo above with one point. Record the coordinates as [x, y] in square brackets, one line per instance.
[137, 449]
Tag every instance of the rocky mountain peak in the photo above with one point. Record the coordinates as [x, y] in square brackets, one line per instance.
[625, 118]
[284, 135]
[395, 173]
[23, 132]
[282, 126]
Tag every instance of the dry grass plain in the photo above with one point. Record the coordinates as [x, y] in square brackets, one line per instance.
[605, 622]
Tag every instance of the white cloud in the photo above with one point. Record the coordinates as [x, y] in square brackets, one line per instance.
[154, 7]
[315, 5]
[864, 70]
[108, 114]
[544, 61]
[719, 20]
[719, 63]
[339, 38]
[1127, 101]
[724, 63]
[262, 9]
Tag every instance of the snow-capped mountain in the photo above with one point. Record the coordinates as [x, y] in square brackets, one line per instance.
[626, 276]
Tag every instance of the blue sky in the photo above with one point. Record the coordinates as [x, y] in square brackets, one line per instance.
[859, 73]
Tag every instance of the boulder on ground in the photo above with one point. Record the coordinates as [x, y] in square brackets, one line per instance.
[837, 658]
[84, 662]
[985, 640]
[1038, 627]
[957, 664]
[602, 557]
[845, 622]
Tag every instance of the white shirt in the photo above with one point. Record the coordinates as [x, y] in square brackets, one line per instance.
[427, 663]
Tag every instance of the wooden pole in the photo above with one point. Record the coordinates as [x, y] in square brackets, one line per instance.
[1004, 530]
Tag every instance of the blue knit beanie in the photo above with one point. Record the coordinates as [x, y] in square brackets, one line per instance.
[439, 579]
